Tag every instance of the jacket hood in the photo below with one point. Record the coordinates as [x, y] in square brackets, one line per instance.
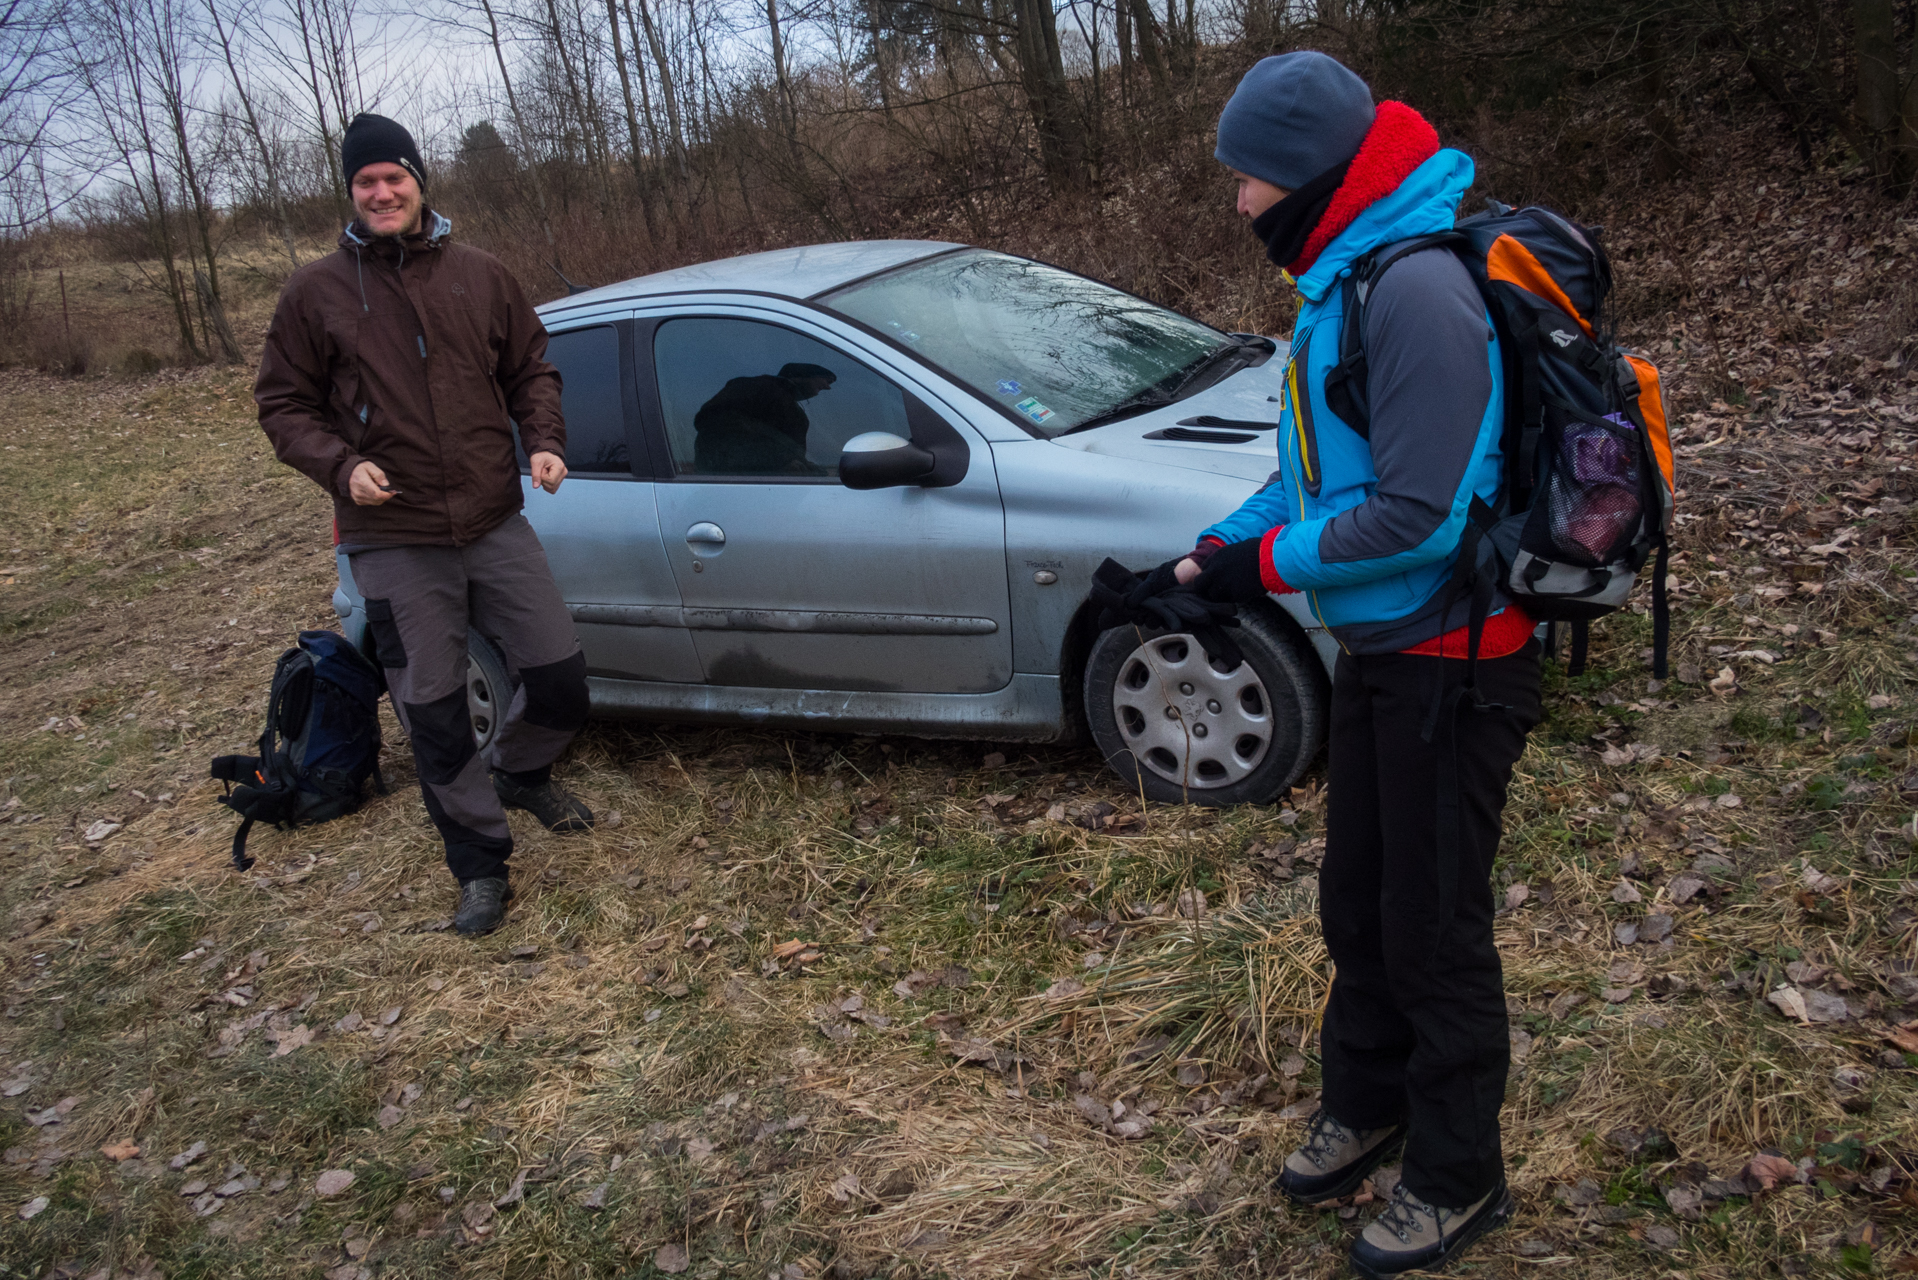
[434, 228]
[1426, 202]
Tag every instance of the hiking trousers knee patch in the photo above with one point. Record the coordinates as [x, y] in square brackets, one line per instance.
[388, 648]
[556, 696]
[442, 736]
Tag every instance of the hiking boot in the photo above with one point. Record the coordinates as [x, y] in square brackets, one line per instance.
[556, 808]
[1412, 1235]
[482, 905]
[1335, 1159]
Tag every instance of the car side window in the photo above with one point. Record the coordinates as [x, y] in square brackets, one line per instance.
[745, 398]
[588, 364]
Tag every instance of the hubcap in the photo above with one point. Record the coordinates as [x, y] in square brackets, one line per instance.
[1187, 721]
[481, 704]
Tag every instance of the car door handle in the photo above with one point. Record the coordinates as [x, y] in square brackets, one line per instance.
[706, 538]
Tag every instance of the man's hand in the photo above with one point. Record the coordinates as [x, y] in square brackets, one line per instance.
[1186, 570]
[548, 470]
[369, 486]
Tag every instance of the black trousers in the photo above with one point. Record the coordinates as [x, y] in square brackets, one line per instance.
[420, 600]
[1415, 1029]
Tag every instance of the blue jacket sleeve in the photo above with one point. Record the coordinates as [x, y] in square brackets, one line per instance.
[1256, 515]
[1432, 383]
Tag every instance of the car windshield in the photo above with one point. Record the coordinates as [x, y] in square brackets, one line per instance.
[1055, 349]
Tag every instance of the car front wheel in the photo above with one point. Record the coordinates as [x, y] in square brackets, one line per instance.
[1172, 723]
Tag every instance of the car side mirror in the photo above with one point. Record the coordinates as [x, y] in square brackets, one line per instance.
[882, 460]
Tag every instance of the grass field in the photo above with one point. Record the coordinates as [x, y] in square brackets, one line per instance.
[808, 1004]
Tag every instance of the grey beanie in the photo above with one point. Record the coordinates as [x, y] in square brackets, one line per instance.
[1293, 117]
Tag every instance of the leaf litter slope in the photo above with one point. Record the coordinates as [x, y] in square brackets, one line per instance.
[818, 1004]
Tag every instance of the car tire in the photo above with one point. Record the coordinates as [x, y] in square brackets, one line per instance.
[489, 690]
[1173, 725]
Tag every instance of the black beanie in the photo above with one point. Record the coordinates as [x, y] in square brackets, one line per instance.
[372, 139]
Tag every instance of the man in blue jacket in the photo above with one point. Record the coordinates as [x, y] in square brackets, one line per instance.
[1368, 524]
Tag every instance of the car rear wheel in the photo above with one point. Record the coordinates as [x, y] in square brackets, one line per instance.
[488, 690]
[1171, 722]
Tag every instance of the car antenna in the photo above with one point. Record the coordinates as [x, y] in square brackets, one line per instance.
[571, 288]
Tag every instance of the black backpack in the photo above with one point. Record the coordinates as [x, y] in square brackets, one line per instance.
[1588, 492]
[320, 744]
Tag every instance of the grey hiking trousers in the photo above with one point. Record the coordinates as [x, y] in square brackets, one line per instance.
[420, 600]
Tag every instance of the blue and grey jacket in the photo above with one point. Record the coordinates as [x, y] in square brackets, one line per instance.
[1371, 530]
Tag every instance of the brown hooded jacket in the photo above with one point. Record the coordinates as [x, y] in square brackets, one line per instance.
[410, 353]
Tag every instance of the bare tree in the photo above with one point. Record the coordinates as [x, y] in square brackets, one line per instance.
[269, 163]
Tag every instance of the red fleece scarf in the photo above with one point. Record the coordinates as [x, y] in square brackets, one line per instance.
[1399, 141]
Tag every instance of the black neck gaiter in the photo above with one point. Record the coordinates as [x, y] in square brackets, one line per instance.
[1287, 225]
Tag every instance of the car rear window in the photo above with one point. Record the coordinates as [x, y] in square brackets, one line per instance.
[588, 364]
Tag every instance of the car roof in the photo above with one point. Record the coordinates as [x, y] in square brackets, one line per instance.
[802, 272]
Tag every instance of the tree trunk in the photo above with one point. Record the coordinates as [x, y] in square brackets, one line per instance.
[519, 127]
[787, 110]
[344, 205]
[1904, 158]
[1150, 50]
[273, 193]
[1667, 160]
[666, 91]
[1877, 69]
[632, 125]
[1042, 73]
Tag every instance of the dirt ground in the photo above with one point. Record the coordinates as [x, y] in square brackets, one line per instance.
[808, 1005]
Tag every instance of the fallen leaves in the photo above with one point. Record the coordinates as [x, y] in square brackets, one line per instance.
[969, 1049]
[123, 1150]
[332, 1183]
[795, 953]
[513, 1194]
[1767, 1169]
[53, 1114]
[285, 1042]
[1809, 1005]
[919, 981]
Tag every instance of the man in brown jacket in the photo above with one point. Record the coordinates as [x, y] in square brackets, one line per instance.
[391, 371]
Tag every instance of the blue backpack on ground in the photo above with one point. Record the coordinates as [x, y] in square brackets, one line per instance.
[320, 744]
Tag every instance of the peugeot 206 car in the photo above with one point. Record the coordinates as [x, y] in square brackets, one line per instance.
[863, 487]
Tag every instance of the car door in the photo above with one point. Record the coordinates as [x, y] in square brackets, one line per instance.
[601, 530]
[789, 579]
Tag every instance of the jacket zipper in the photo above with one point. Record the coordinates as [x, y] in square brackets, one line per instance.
[1296, 446]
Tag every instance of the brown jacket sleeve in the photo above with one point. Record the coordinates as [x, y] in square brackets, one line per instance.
[530, 383]
[292, 390]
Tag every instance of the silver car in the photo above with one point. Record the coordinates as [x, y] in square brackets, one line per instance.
[863, 487]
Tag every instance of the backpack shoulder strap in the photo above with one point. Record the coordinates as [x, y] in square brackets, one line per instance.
[1345, 384]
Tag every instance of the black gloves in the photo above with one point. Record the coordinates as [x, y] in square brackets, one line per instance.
[1124, 599]
[1231, 574]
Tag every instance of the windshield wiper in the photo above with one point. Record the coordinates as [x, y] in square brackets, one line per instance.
[1212, 361]
[1157, 397]
[1150, 398]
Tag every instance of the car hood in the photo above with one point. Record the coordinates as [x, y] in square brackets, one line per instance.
[1250, 395]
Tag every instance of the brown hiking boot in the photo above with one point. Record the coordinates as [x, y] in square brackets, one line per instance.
[1412, 1235]
[556, 807]
[1335, 1159]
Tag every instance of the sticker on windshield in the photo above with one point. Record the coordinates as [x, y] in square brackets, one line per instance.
[1031, 407]
[904, 334]
[1007, 387]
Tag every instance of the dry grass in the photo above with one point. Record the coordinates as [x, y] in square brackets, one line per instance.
[632, 1046]
[750, 1119]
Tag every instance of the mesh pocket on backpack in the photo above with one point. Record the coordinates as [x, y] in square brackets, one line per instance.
[1590, 506]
